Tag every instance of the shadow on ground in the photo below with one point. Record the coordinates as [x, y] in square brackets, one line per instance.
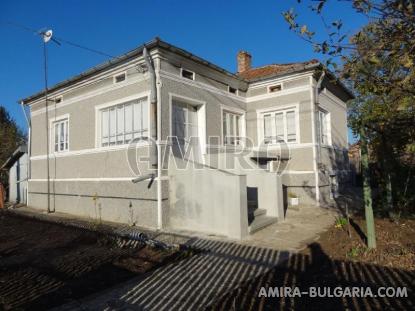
[318, 270]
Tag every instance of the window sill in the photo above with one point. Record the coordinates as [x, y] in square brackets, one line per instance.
[123, 146]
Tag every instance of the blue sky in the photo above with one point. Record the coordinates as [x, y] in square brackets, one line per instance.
[214, 30]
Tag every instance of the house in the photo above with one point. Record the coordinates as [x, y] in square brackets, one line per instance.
[16, 165]
[111, 125]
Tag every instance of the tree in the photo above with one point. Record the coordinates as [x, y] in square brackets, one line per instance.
[11, 136]
[378, 62]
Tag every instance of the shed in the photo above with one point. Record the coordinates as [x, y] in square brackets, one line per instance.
[16, 164]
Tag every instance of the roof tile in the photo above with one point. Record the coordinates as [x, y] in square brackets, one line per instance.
[275, 69]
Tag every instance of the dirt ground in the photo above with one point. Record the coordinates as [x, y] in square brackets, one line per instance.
[44, 265]
[395, 243]
[335, 260]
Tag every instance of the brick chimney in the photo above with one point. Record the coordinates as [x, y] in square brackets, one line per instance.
[244, 61]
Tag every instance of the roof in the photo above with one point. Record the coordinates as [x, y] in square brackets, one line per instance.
[267, 71]
[252, 75]
[21, 150]
[154, 43]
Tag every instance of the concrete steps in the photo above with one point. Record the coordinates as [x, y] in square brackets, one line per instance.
[258, 212]
[261, 222]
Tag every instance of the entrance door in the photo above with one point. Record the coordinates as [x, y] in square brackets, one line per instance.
[185, 129]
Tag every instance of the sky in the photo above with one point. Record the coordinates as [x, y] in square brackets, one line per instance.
[214, 30]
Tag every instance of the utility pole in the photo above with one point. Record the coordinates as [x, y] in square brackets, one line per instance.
[46, 37]
[367, 191]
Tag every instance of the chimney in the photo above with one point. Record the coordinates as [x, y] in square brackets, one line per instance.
[244, 61]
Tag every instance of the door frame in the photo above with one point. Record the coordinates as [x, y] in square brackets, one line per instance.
[201, 118]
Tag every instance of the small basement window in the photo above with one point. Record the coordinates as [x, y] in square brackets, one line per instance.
[274, 88]
[188, 74]
[119, 78]
[232, 90]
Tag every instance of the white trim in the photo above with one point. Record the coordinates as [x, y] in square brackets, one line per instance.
[278, 94]
[87, 95]
[200, 85]
[114, 77]
[142, 95]
[58, 97]
[260, 121]
[237, 111]
[313, 133]
[192, 72]
[236, 90]
[52, 122]
[89, 151]
[201, 117]
[271, 81]
[297, 172]
[85, 179]
[275, 85]
[133, 63]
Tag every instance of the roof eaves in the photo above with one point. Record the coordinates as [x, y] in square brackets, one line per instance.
[156, 42]
[287, 72]
[96, 69]
[14, 157]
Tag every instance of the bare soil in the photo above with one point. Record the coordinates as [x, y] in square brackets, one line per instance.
[44, 265]
[395, 243]
[337, 261]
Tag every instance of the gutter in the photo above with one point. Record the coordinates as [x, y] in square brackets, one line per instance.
[316, 150]
[155, 121]
[29, 150]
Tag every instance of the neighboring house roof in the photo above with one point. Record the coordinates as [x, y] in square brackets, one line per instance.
[251, 75]
[260, 73]
[21, 150]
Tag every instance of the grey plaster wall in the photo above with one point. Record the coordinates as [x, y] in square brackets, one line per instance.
[303, 99]
[120, 201]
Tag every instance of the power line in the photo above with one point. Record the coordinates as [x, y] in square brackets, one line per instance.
[60, 39]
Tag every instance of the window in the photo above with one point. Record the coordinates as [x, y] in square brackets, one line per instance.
[280, 126]
[323, 127]
[231, 129]
[61, 135]
[188, 74]
[122, 123]
[232, 90]
[119, 78]
[274, 88]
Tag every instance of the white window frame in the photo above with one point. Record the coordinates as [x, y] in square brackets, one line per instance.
[274, 85]
[236, 90]
[327, 127]
[60, 98]
[98, 119]
[201, 117]
[114, 78]
[242, 128]
[52, 122]
[273, 111]
[184, 69]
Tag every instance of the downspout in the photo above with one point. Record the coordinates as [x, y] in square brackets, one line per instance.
[155, 122]
[317, 146]
[29, 149]
[159, 153]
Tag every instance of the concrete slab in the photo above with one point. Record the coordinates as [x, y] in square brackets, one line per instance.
[301, 226]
